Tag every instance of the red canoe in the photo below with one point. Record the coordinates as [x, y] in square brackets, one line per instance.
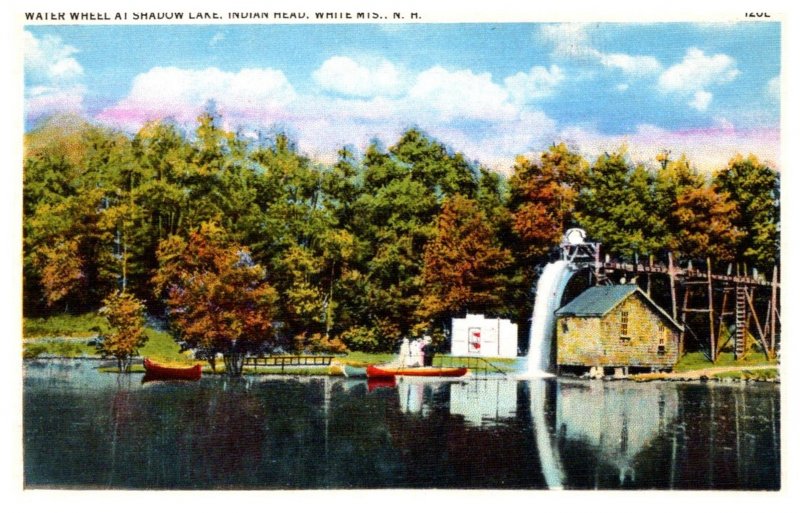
[380, 372]
[154, 370]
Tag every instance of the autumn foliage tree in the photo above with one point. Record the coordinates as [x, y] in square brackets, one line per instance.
[704, 222]
[218, 299]
[125, 315]
[543, 198]
[463, 263]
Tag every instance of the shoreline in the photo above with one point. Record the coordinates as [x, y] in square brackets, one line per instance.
[747, 373]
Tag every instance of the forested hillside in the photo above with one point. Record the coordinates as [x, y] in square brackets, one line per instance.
[387, 242]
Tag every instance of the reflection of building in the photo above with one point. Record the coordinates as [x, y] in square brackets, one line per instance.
[617, 419]
[476, 335]
[616, 326]
[484, 400]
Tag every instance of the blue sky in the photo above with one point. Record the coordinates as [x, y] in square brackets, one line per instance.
[490, 90]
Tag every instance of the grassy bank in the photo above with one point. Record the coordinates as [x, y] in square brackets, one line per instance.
[695, 366]
[698, 360]
[71, 336]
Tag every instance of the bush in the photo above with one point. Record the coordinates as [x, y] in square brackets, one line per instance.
[318, 343]
[33, 350]
[360, 338]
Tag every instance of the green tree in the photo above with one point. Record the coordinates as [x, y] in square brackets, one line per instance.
[755, 189]
[618, 207]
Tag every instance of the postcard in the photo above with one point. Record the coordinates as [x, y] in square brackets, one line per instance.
[400, 248]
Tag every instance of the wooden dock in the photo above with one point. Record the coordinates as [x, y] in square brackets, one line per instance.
[284, 361]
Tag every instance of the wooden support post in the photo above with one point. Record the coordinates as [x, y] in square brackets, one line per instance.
[681, 344]
[762, 338]
[721, 322]
[712, 336]
[671, 271]
[772, 311]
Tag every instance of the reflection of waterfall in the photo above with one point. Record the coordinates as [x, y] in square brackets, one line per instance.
[548, 455]
[549, 290]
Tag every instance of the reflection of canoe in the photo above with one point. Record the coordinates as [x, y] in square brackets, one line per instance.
[381, 382]
[377, 372]
[154, 370]
[354, 372]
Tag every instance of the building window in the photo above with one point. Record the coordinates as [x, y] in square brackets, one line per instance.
[564, 327]
[623, 323]
[663, 334]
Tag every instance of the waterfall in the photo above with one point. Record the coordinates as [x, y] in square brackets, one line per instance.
[549, 290]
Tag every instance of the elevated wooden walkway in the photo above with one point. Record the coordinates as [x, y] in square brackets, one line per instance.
[284, 361]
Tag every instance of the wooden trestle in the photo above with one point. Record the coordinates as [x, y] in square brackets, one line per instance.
[699, 288]
[700, 291]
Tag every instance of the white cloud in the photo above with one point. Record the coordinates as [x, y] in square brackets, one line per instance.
[622, 87]
[774, 88]
[44, 100]
[575, 41]
[538, 83]
[692, 77]
[701, 100]
[48, 59]
[461, 94]
[468, 111]
[181, 94]
[636, 65]
[345, 76]
[217, 38]
[570, 40]
[53, 77]
[697, 71]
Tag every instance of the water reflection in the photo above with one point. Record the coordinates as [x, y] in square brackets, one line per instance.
[618, 420]
[83, 428]
[484, 402]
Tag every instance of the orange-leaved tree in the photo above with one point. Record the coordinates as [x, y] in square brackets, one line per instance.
[125, 315]
[464, 263]
[543, 198]
[218, 299]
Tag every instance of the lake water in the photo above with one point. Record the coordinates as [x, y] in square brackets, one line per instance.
[86, 429]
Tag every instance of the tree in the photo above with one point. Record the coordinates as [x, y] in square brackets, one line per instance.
[704, 225]
[464, 263]
[125, 315]
[61, 271]
[218, 299]
[543, 199]
[755, 189]
[618, 207]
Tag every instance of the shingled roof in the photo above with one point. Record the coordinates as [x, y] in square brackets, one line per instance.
[598, 301]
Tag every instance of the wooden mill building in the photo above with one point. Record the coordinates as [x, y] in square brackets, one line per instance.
[615, 327]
